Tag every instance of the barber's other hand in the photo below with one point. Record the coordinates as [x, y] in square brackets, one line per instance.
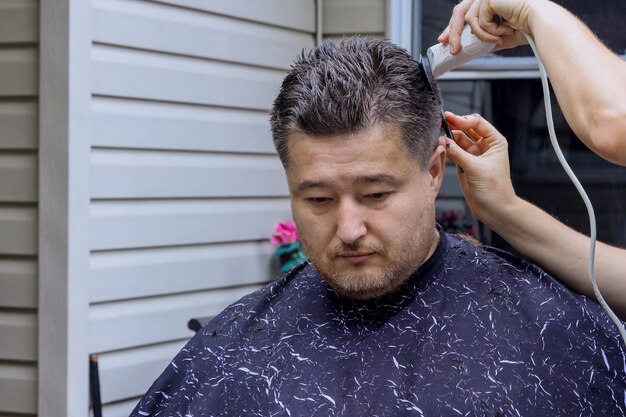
[479, 14]
[483, 165]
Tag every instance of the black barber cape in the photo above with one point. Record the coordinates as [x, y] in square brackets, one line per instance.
[474, 332]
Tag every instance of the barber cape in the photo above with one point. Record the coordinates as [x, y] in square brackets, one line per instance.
[474, 332]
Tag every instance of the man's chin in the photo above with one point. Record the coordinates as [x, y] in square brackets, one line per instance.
[359, 288]
[361, 295]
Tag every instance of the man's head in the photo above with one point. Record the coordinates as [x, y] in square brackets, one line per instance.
[346, 88]
[357, 134]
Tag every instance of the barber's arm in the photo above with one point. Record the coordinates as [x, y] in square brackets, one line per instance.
[486, 183]
[589, 80]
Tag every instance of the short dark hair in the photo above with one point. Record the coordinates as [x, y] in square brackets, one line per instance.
[347, 87]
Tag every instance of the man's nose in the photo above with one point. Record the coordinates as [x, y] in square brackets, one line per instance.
[350, 223]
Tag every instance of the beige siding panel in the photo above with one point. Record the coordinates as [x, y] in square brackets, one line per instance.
[18, 177]
[142, 273]
[18, 183]
[136, 224]
[19, 21]
[18, 230]
[294, 14]
[19, 125]
[18, 281]
[353, 16]
[146, 321]
[18, 388]
[18, 415]
[19, 336]
[129, 373]
[163, 28]
[18, 67]
[124, 123]
[140, 74]
[157, 174]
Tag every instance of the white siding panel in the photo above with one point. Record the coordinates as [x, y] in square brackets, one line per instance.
[130, 373]
[19, 336]
[121, 408]
[18, 281]
[185, 184]
[18, 388]
[154, 76]
[18, 67]
[339, 38]
[150, 125]
[163, 28]
[353, 16]
[18, 21]
[154, 320]
[18, 177]
[118, 225]
[18, 230]
[141, 273]
[294, 14]
[156, 174]
[19, 125]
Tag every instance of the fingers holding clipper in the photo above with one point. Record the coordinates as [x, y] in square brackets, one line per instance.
[465, 142]
[444, 37]
[485, 33]
[467, 122]
[455, 27]
[479, 130]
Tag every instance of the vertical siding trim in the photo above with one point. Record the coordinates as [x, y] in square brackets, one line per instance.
[399, 23]
[65, 42]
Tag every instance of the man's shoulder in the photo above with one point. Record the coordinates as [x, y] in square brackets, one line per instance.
[474, 255]
[493, 271]
[257, 303]
[496, 274]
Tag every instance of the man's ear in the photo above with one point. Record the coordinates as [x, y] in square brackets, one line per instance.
[437, 168]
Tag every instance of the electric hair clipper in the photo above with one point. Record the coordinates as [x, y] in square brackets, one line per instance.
[438, 60]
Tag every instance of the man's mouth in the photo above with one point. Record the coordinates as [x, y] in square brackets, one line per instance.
[356, 257]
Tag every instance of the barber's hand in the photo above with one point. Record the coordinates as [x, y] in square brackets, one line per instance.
[481, 155]
[479, 14]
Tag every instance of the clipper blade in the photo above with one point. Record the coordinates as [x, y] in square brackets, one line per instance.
[425, 69]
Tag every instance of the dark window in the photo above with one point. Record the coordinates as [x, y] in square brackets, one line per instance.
[515, 106]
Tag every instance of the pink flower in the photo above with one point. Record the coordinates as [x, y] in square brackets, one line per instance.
[285, 233]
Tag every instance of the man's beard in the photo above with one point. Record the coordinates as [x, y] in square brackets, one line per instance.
[357, 281]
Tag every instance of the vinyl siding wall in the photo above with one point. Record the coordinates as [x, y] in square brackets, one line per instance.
[18, 206]
[185, 184]
[353, 17]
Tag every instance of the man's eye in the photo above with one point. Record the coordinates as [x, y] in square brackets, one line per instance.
[318, 200]
[377, 196]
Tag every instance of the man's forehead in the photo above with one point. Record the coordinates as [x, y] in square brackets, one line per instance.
[390, 136]
[378, 178]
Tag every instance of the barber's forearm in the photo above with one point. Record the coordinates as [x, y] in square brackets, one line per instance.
[562, 251]
[588, 79]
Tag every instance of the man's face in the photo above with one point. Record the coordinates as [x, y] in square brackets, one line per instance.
[364, 207]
